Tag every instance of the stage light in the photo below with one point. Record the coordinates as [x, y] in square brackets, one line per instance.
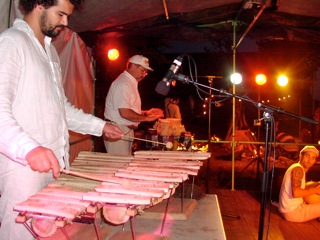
[282, 80]
[236, 78]
[113, 54]
[261, 79]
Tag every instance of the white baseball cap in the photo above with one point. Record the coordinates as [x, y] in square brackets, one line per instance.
[141, 60]
[310, 149]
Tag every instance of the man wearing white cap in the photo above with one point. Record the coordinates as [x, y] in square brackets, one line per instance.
[123, 104]
[294, 192]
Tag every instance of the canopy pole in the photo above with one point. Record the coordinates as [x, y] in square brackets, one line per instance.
[165, 9]
[252, 23]
[9, 15]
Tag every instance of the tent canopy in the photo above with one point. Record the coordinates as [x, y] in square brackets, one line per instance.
[190, 20]
[198, 20]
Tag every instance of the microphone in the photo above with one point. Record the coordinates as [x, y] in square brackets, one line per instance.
[163, 86]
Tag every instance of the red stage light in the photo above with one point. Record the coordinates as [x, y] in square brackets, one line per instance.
[113, 54]
[261, 79]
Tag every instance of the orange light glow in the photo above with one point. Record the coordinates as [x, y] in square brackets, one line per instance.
[261, 79]
[282, 80]
[113, 54]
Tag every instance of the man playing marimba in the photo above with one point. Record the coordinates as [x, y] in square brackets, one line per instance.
[35, 114]
[123, 104]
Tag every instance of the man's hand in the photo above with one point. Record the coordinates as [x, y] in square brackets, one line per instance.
[112, 131]
[42, 159]
[155, 113]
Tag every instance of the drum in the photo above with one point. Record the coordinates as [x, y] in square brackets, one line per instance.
[169, 127]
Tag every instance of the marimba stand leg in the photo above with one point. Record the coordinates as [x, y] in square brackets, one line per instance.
[96, 227]
[65, 233]
[31, 230]
[166, 211]
[182, 196]
[37, 237]
[192, 188]
[133, 227]
[25, 219]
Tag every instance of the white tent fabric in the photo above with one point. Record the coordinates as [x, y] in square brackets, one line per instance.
[9, 11]
[77, 68]
[78, 79]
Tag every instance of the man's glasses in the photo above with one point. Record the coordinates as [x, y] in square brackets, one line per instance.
[143, 70]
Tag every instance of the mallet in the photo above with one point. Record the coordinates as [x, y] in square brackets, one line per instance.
[168, 145]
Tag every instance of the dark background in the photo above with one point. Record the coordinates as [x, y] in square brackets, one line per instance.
[296, 60]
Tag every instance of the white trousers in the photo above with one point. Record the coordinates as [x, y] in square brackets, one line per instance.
[17, 183]
[303, 213]
[122, 147]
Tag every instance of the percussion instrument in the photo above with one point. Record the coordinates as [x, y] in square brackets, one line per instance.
[119, 187]
[169, 127]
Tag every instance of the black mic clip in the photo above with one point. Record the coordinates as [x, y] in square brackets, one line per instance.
[181, 78]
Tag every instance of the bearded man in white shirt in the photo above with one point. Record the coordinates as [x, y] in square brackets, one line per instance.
[34, 111]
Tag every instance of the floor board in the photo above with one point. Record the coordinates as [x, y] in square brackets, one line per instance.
[244, 204]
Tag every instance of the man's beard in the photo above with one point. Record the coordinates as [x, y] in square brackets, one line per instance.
[52, 33]
[47, 29]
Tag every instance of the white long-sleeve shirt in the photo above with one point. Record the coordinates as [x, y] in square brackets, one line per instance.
[34, 110]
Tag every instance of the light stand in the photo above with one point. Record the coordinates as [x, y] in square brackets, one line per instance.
[210, 80]
[268, 111]
[257, 123]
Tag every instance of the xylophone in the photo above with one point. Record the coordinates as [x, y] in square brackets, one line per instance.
[119, 187]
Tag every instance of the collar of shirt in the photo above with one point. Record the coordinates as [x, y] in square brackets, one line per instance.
[24, 26]
[130, 77]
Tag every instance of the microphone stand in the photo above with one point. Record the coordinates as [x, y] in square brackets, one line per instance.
[267, 116]
[267, 119]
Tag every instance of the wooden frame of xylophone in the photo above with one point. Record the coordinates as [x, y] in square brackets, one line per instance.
[123, 187]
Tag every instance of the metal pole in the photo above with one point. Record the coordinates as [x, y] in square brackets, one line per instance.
[234, 23]
[210, 80]
[267, 118]
[251, 24]
[234, 48]
[9, 15]
[259, 116]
